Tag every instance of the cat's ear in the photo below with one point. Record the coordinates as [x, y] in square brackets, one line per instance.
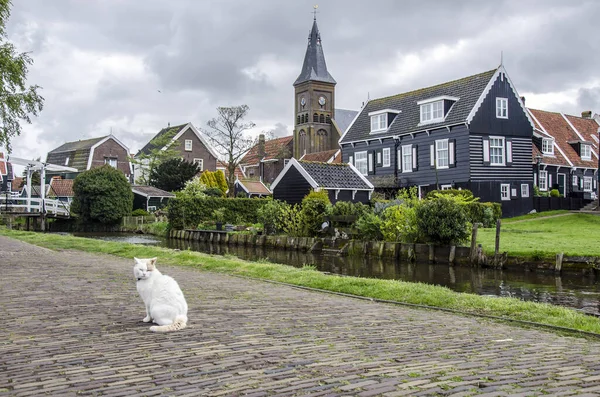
[152, 263]
[136, 260]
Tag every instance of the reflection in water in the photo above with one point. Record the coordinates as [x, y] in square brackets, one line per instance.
[577, 291]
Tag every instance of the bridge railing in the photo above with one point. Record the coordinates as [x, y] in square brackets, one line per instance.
[17, 204]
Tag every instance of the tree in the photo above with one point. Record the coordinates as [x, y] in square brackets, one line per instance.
[102, 195]
[228, 134]
[161, 148]
[172, 174]
[221, 181]
[17, 101]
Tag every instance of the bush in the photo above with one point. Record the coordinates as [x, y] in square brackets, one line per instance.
[400, 224]
[443, 221]
[102, 195]
[484, 213]
[347, 208]
[139, 212]
[214, 192]
[369, 227]
[269, 215]
[462, 195]
[188, 212]
[290, 221]
[315, 205]
[554, 193]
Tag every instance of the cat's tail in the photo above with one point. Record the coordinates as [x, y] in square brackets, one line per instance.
[179, 323]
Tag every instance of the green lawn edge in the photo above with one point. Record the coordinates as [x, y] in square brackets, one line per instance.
[390, 290]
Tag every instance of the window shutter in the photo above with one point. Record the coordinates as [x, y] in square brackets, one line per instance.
[509, 152]
[399, 158]
[432, 155]
[574, 180]
[351, 160]
[549, 181]
[580, 182]
[486, 152]
[535, 180]
[451, 153]
[370, 162]
[414, 158]
[379, 158]
[595, 181]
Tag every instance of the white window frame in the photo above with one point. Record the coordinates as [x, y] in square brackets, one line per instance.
[497, 147]
[188, 145]
[501, 108]
[543, 181]
[407, 158]
[439, 150]
[587, 183]
[524, 190]
[432, 112]
[112, 161]
[547, 146]
[200, 162]
[505, 191]
[379, 122]
[361, 162]
[67, 160]
[586, 152]
[387, 157]
[446, 187]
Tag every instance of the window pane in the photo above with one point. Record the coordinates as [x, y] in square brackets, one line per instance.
[438, 110]
[407, 158]
[496, 151]
[442, 153]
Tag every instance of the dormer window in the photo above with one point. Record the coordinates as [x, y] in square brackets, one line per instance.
[586, 152]
[381, 119]
[434, 110]
[547, 146]
[502, 108]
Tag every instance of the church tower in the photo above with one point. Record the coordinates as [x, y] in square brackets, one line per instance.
[314, 101]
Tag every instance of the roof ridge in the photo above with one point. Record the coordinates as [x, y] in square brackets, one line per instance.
[407, 93]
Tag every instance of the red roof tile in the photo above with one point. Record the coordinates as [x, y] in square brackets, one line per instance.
[274, 149]
[16, 184]
[326, 156]
[61, 188]
[2, 165]
[588, 129]
[557, 127]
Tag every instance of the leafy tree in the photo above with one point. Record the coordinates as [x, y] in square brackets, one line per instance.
[102, 195]
[17, 101]
[172, 174]
[192, 189]
[315, 205]
[228, 134]
[162, 148]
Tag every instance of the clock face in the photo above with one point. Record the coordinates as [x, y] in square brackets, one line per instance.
[302, 101]
[322, 101]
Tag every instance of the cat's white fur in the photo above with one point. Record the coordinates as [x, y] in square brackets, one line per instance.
[165, 303]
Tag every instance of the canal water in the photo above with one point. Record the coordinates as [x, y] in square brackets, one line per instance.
[581, 292]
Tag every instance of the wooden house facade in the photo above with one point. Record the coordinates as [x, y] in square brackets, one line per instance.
[473, 133]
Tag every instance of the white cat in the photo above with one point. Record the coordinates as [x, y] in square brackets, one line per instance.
[165, 303]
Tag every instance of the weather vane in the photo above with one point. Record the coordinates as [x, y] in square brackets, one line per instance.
[315, 11]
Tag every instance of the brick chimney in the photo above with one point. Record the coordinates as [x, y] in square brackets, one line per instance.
[586, 114]
[261, 146]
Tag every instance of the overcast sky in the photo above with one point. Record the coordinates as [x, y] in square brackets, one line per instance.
[132, 66]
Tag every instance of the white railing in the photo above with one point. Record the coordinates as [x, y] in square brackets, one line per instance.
[17, 204]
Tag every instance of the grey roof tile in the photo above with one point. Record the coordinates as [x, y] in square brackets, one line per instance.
[314, 67]
[334, 175]
[467, 89]
[343, 118]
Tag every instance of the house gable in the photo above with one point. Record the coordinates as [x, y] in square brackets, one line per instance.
[483, 118]
[108, 150]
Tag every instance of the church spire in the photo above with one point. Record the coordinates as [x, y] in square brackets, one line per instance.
[314, 67]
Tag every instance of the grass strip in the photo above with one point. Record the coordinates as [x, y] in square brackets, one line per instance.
[392, 290]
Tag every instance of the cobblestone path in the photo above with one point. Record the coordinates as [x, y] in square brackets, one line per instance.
[70, 325]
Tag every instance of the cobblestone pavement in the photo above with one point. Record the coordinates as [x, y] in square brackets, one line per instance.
[71, 324]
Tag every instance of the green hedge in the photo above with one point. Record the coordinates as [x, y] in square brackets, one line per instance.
[188, 213]
[486, 213]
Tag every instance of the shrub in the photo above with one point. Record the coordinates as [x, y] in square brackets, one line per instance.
[554, 193]
[269, 215]
[369, 227]
[291, 221]
[443, 221]
[462, 195]
[187, 212]
[400, 224]
[315, 205]
[102, 195]
[139, 212]
[347, 208]
[484, 213]
[213, 192]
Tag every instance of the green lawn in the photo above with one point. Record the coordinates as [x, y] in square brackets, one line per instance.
[394, 290]
[536, 236]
